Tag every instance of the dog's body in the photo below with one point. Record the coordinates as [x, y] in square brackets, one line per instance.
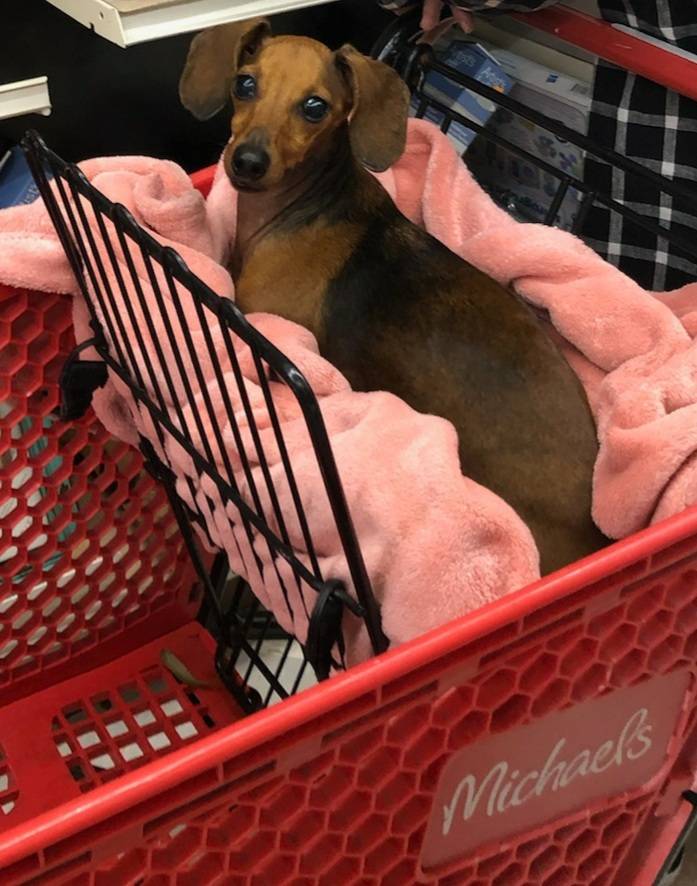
[394, 309]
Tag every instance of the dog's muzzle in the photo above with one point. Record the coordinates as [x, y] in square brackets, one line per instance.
[250, 163]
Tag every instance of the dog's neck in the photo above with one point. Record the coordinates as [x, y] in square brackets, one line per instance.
[323, 188]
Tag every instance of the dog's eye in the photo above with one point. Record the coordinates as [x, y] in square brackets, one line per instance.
[315, 109]
[245, 87]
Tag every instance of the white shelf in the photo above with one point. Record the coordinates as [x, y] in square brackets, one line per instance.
[25, 97]
[506, 34]
[127, 22]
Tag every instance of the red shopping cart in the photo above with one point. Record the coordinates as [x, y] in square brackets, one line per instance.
[549, 738]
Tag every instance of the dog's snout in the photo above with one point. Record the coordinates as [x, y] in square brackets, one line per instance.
[250, 162]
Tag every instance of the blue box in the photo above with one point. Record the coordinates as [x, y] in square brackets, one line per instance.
[473, 60]
[17, 186]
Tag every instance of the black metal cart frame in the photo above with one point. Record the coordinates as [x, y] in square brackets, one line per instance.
[86, 221]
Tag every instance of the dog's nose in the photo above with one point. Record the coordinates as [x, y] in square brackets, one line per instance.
[251, 162]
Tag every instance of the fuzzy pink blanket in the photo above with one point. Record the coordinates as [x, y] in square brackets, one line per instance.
[436, 544]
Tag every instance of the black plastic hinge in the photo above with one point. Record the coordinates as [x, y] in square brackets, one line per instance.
[79, 379]
[324, 633]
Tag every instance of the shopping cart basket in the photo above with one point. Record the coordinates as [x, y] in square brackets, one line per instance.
[549, 738]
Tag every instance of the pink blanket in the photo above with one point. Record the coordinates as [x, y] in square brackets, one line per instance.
[436, 544]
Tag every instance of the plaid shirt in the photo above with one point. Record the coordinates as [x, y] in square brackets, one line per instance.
[657, 128]
[642, 121]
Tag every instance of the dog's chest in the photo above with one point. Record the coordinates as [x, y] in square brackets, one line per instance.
[288, 273]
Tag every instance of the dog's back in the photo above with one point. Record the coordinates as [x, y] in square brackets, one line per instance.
[407, 315]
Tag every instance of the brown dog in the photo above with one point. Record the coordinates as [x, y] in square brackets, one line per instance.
[321, 243]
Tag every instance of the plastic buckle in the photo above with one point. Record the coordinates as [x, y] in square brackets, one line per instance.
[324, 631]
[79, 379]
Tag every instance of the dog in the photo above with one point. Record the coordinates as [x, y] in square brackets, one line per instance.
[321, 243]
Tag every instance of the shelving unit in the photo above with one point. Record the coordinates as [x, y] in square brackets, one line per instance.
[128, 22]
[25, 97]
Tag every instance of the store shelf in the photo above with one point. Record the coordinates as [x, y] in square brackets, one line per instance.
[127, 22]
[25, 97]
[505, 33]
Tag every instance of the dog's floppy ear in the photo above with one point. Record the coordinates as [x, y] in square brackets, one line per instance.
[213, 60]
[378, 121]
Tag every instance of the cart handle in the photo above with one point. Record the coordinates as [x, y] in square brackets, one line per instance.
[643, 55]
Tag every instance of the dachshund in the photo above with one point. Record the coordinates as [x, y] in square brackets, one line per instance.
[321, 243]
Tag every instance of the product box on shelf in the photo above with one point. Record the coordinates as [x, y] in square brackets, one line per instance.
[512, 178]
[16, 183]
[477, 62]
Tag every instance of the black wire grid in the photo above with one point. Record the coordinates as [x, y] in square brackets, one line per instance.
[94, 232]
[84, 218]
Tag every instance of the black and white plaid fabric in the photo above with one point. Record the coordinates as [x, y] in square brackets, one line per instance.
[657, 128]
[646, 123]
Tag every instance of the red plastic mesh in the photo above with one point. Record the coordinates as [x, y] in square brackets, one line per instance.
[8, 786]
[91, 555]
[120, 730]
[357, 812]
[86, 732]
[88, 544]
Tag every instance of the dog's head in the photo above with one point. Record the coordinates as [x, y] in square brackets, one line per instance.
[291, 96]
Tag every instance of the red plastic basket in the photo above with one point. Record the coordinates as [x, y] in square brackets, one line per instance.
[92, 564]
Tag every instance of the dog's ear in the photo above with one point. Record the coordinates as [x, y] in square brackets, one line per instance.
[212, 63]
[378, 121]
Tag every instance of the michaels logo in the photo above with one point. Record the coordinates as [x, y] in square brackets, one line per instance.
[556, 767]
[503, 788]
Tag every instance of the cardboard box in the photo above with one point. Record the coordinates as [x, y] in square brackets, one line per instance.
[517, 182]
